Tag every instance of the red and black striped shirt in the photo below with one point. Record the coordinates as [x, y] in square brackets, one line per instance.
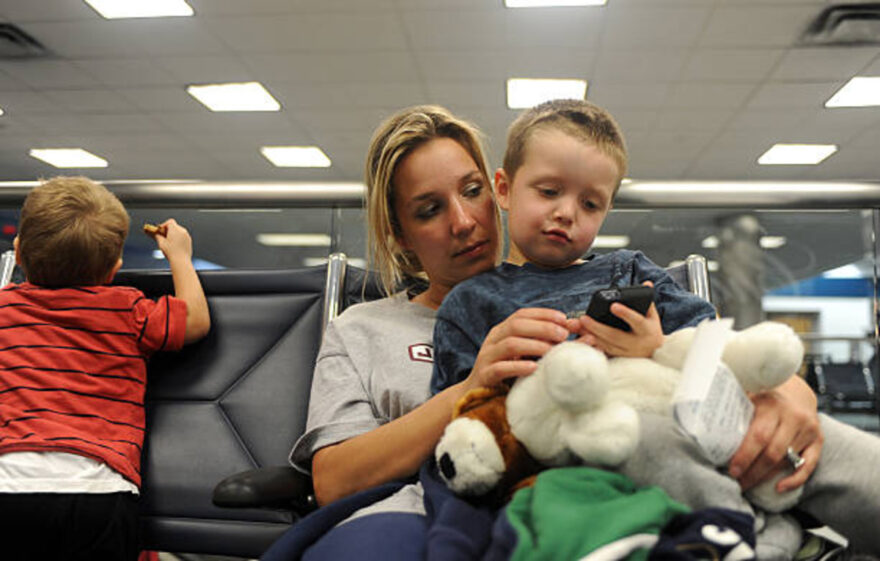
[73, 369]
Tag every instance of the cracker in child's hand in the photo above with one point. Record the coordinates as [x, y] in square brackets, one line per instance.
[152, 230]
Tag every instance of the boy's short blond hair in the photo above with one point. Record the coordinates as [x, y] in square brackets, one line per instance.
[71, 233]
[392, 141]
[578, 118]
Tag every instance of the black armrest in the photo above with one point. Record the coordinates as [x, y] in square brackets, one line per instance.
[270, 487]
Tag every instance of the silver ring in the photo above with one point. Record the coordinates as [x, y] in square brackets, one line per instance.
[794, 458]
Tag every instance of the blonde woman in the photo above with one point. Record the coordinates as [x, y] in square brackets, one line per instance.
[372, 420]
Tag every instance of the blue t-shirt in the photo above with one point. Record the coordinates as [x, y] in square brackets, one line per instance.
[476, 305]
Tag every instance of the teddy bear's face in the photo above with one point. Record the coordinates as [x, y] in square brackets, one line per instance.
[477, 453]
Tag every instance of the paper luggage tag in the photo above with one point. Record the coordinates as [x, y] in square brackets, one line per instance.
[709, 404]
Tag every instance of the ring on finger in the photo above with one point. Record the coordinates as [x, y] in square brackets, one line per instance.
[795, 459]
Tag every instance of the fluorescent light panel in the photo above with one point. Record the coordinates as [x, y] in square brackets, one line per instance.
[766, 242]
[244, 96]
[796, 154]
[615, 242]
[551, 3]
[68, 158]
[296, 156]
[294, 240]
[861, 91]
[523, 93]
[118, 9]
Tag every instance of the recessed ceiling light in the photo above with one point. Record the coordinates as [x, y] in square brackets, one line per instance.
[773, 242]
[68, 158]
[523, 93]
[615, 242]
[300, 240]
[551, 3]
[244, 96]
[117, 9]
[861, 91]
[796, 154]
[1, 111]
[296, 156]
[710, 242]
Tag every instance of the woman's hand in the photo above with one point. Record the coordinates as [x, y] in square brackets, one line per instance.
[645, 337]
[512, 347]
[784, 417]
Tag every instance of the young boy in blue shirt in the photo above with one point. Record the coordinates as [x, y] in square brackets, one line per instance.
[564, 163]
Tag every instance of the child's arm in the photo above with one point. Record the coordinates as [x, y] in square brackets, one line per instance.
[645, 338]
[175, 242]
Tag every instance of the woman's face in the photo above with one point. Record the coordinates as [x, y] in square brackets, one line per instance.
[446, 213]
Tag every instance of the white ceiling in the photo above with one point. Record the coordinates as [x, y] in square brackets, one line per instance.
[701, 87]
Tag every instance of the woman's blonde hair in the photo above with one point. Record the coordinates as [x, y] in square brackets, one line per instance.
[71, 233]
[392, 141]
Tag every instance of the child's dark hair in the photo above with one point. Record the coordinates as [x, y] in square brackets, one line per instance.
[578, 118]
[71, 233]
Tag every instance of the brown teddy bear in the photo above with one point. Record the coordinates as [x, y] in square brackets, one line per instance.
[489, 461]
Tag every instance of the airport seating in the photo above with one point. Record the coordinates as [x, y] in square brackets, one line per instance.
[232, 402]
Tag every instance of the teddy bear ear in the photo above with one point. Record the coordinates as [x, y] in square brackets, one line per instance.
[477, 397]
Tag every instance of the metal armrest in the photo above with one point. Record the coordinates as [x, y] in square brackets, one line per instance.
[270, 487]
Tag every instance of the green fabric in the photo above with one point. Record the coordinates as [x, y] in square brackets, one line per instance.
[569, 512]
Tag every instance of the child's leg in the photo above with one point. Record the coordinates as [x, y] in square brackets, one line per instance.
[844, 491]
[93, 527]
[670, 459]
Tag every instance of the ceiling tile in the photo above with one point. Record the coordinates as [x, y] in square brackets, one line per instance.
[44, 73]
[705, 95]
[89, 101]
[205, 69]
[780, 120]
[378, 67]
[356, 32]
[823, 64]
[730, 65]
[629, 96]
[663, 27]
[162, 99]
[129, 72]
[126, 37]
[623, 67]
[760, 24]
[793, 95]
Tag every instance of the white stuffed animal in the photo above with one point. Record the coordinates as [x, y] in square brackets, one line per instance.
[581, 407]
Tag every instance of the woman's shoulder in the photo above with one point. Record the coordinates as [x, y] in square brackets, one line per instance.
[396, 307]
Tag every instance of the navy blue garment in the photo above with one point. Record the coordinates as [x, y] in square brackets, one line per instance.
[476, 305]
[710, 533]
[318, 525]
[457, 529]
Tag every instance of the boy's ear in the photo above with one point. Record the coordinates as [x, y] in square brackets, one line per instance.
[17, 251]
[502, 188]
[115, 270]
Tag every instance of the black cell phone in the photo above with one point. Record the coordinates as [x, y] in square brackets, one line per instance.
[638, 298]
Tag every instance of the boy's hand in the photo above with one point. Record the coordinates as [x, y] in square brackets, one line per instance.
[511, 347]
[645, 338]
[173, 240]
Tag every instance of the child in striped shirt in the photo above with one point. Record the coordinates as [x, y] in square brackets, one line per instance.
[73, 354]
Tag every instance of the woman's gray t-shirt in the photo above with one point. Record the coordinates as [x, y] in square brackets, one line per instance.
[374, 366]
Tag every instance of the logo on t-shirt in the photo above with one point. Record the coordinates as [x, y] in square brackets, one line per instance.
[421, 352]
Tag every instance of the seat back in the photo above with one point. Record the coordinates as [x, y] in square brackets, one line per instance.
[234, 401]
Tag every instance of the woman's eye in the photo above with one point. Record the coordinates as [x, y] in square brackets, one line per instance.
[427, 210]
[473, 190]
